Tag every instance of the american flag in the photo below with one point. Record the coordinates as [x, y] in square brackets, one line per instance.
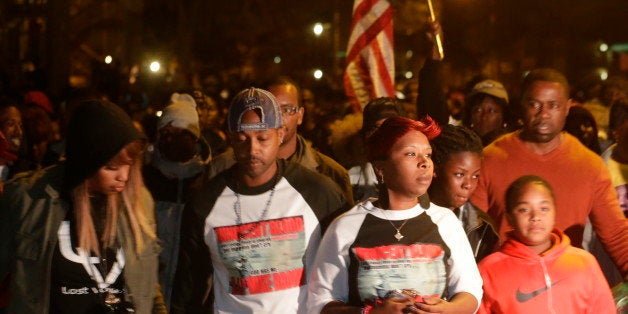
[370, 71]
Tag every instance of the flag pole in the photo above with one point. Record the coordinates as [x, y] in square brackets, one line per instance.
[439, 42]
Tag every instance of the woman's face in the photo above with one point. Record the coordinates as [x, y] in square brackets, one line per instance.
[486, 117]
[110, 179]
[408, 171]
[457, 179]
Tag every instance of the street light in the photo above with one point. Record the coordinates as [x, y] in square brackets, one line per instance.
[318, 74]
[224, 94]
[603, 73]
[154, 66]
[318, 29]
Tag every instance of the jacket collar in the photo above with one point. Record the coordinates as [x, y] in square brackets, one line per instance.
[47, 182]
[304, 154]
[474, 218]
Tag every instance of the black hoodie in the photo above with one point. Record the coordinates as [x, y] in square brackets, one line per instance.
[97, 131]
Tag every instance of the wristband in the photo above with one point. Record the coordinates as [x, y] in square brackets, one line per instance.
[366, 309]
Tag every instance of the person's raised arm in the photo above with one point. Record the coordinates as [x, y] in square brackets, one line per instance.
[431, 100]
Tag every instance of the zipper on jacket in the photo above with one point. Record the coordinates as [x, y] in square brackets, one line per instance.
[477, 246]
[548, 284]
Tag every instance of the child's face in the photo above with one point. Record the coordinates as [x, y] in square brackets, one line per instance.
[458, 178]
[533, 217]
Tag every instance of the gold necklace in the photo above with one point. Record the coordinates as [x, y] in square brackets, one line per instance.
[397, 235]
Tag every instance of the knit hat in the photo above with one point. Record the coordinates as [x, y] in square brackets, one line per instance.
[97, 131]
[380, 108]
[490, 87]
[40, 99]
[254, 99]
[181, 113]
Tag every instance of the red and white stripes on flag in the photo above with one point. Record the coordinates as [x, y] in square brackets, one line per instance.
[370, 71]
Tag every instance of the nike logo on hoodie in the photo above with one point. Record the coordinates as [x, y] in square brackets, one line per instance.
[527, 296]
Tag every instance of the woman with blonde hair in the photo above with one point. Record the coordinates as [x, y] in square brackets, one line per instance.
[79, 237]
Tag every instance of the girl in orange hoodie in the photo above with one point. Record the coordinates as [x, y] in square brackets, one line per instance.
[537, 270]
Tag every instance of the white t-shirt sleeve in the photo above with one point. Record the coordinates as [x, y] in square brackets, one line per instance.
[330, 276]
[464, 275]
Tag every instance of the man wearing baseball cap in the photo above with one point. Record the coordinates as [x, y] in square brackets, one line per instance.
[294, 147]
[253, 229]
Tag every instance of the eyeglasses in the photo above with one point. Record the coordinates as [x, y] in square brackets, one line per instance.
[289, 110]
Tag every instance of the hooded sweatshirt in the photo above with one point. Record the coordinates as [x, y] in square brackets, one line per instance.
[33, 207]
[564, 279]
[97, 131]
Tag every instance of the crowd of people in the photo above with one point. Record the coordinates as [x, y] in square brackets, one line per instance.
[492, 207]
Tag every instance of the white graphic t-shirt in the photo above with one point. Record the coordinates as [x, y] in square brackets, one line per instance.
[258, 243]
[369, 252]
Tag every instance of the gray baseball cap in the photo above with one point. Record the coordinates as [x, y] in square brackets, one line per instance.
[254, 99]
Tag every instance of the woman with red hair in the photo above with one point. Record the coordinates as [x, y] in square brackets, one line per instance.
[394, 253]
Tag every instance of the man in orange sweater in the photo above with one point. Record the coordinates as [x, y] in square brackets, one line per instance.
[581, 180]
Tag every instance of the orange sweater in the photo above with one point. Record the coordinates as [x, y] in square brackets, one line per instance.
[581, 184]
[564, 279]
